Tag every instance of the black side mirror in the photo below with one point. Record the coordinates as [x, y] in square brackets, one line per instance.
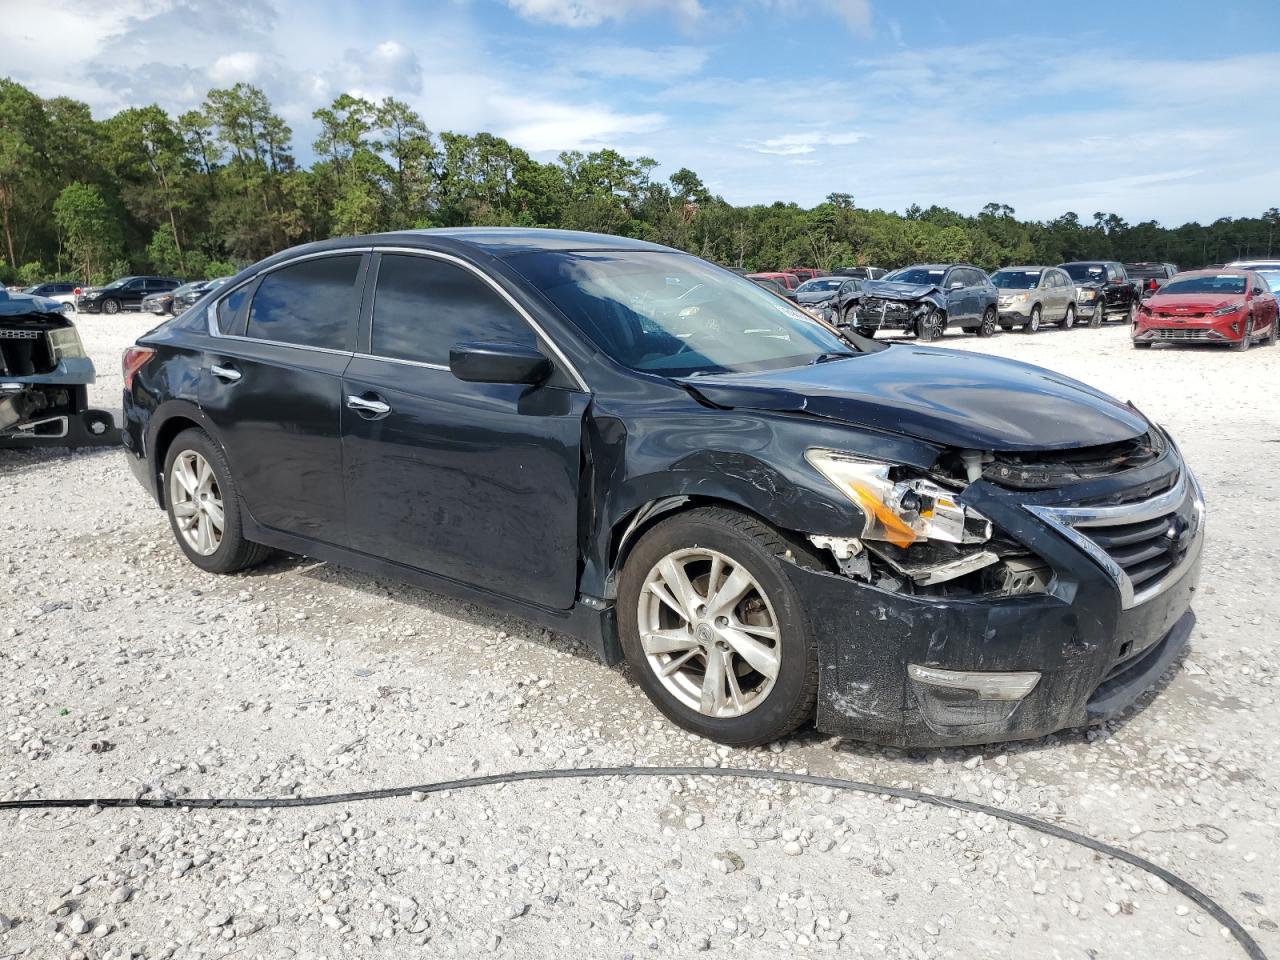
[498, 363]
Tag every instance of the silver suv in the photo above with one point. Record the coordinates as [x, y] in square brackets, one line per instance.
[1032, 296]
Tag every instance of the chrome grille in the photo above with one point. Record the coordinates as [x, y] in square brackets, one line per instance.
[1143, 545]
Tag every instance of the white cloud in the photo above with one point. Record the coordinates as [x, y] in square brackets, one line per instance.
[637, 63]
[543, 126]
[242, 66]
[389, 67]
[856, 14]
[793, 144]
[592, 13]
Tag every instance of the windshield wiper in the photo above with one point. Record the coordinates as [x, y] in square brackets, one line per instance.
[836, 355]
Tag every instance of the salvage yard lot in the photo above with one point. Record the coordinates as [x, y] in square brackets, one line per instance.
[125, 670]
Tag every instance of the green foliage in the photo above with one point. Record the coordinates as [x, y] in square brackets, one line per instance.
[213, 190]
[29, 274]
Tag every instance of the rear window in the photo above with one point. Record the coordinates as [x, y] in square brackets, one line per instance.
[1086, 272]
[1217, 283]
[229, 309]
[1145, 271]
[309, 304]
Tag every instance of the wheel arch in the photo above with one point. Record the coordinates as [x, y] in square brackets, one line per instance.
[169, 420]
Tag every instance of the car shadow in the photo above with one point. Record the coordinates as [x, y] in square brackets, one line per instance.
[429, 601]
[15, 461]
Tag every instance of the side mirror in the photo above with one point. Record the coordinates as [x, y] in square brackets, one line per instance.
[498, 363]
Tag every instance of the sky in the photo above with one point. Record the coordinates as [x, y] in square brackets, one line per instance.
[1151, 110]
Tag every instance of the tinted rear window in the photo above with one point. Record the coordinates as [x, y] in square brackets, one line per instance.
[424, 306]
[310, 304]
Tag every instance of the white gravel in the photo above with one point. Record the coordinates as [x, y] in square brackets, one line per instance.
[124, 670]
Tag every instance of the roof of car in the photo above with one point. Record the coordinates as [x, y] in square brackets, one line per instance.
[502, 241]
[1029, 266]
[1213, 271]
[1085, 263]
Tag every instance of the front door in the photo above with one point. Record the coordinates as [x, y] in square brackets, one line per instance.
[475, 482]
[273, 388]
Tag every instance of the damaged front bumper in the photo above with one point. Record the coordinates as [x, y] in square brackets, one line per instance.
[935, 671]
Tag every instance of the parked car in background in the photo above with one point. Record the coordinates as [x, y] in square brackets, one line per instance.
[123, 294]
[861, 273]
[182, 300]
[773, 286]
[63, 291]
[833, 299]
[1150, 277]
[1103, 290]
[789, 281]
[538, 421]
[805, 273]
[1226, 306]
[1031, 296]
[929, 298]
[176, 300]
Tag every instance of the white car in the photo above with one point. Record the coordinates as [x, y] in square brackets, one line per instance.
[63, 291]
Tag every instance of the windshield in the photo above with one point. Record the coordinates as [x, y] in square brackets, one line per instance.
[819, 286]
[674, 315]
[1015, 279]
[917, 275]
[1085, 271]
[1217, 283]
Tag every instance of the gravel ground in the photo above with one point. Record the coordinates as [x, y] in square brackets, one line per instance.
[125, 670]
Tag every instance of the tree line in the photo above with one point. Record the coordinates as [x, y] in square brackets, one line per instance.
[209, 191]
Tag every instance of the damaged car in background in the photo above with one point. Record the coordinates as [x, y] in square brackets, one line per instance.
[773, 525]
[928, 298]
[44, 378]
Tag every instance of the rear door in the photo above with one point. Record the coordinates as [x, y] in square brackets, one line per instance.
[273, 388]
[956, 289]
[472, 481]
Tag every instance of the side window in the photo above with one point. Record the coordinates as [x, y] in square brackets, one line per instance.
[229, 308]
[423, 306]
[134, 285]
[310, 304]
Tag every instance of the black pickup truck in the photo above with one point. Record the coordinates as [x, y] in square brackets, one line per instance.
[1103, 290]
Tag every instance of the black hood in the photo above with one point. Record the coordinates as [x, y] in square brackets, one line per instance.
[965, 400]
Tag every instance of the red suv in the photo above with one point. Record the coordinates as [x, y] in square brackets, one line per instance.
[1209, 306]
[788, 280]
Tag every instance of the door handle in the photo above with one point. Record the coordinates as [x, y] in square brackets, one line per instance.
[363, 405]
[229, 374]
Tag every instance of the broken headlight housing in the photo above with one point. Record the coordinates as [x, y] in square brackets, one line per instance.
[899, 511]
[64, 344]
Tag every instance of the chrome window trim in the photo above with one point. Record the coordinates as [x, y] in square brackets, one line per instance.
[511, 301]
[407, 363]
[1069, 520]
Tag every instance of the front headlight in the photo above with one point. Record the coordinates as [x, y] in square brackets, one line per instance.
[1229, 308]
[900, 512]
[65, 344]
[1087, 295]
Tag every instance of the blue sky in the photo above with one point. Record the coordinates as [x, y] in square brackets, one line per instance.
[1152, 110]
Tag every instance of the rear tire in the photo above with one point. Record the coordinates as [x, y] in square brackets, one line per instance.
[1274, 335]
[230, 550]
[688, 544]
[1069, 318]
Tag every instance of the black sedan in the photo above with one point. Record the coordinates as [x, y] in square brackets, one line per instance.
[127, 293]
[616, 440]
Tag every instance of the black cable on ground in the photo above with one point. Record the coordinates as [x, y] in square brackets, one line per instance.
[1200, 898]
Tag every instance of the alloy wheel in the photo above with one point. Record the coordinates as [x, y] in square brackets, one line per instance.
[197, 502]
[988, 326]
[1069, 318]
[110, 306]
[709, 633]
[1033, 322]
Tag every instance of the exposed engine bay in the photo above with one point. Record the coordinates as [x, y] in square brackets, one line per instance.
[44, 376]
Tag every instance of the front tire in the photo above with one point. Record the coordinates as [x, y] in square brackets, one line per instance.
[1069, 318]
[1246, 341]
[930, 327]
[1099, 315]
[1033, 321]
[204, 507]
[110, 306]
[1274, 335]
[988, 326]
[714, 630]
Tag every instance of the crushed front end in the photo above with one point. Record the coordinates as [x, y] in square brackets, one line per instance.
[1051, 591]
[44, 379]
[889, 305]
